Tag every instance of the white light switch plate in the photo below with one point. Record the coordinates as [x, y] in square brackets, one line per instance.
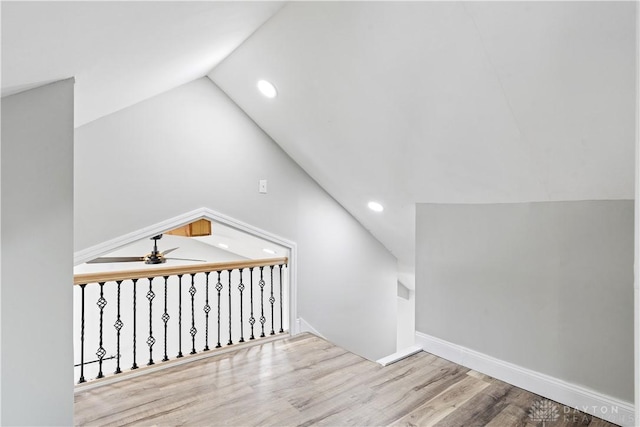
[262, 188]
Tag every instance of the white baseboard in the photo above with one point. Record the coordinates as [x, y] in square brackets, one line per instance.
[399, 355]
[572, 395]
[304, 326]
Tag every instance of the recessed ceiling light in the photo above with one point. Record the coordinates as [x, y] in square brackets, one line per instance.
[269, 251]
[267, 89]
[223, 246]
[375, 206]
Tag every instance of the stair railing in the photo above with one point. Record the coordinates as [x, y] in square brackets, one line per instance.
[119, 298]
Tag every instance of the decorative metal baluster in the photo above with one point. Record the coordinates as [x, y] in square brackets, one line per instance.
[165, 319]
[193, 331]
[101, 351]
[262, 318]
[252, 319]
[118, 325]
[179, 315]
[151, 340]
[241, 288]
[218, 288]
[81, 380]
[230, 342]
[281, 329]
[272, 300]
[135, 365]
[207, 309]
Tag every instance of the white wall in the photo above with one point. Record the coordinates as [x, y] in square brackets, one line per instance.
[545, 286]
[192, 147]
[37, 256]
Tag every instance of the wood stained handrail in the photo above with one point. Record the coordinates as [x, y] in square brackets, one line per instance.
[111, 276]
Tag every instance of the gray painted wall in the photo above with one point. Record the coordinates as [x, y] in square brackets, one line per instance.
[37, 223]
[546, 286]
[192, 147]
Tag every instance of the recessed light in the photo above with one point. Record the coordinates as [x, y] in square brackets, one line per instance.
[223, 246]
[375, 206]
[267, 89]
[269, 251]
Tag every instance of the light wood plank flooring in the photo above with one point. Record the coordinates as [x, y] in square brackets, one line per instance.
[303, 381]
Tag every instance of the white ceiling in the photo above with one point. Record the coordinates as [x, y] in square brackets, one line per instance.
[401, 102]
[120, 52]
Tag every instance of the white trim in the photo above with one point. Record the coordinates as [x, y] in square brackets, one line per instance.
[92, 252]
[399, 355]
[304, 326]
[575, 396]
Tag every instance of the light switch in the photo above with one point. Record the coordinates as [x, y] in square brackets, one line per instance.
[263, 186]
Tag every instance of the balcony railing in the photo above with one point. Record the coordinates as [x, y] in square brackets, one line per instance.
[116, 318]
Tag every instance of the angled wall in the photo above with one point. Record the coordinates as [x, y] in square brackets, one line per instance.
[37, 256]
[544, 286]
[192, 147]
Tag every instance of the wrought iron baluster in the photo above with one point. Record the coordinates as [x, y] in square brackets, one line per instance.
[230, 342]
[135, 365]
[151, 340]
[165, 319]
[207, 309]
[193, 331]
[179, 315]
[281, 328]
[218, 288]
[118, 325]
[272, 300]
[262, 318]
[241, 288]
[252, 319]
[81, 380]
[101, 351]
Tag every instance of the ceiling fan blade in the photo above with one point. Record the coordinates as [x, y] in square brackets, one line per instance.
[186, 259]
[163, 253]
[107, 259]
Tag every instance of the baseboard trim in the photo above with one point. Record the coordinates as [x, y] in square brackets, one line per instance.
[399, 355]
[304, 326]
[572, 395]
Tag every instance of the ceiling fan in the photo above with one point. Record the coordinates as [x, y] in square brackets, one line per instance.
[155, 257]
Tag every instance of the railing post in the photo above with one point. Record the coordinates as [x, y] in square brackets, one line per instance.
[281, 329]
[135, 365]
[101, 351]
[165, 319]
[151, 340]
[193, 331]
[252, 320]
[81, 380]
[271, 301]
[241, 288]
[262, 318]
[118, 325]
[207, 309]
[230, 342]
[218, 288]
[179, 315]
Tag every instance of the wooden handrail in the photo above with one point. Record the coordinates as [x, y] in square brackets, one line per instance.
[111, 276]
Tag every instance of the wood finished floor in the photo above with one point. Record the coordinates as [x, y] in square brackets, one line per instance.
[304, 381]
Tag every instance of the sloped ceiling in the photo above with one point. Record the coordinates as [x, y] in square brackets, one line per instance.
[399, 102]
[120, 52]
[449, 102]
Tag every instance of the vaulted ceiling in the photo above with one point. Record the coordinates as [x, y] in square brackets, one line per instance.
[399, 102]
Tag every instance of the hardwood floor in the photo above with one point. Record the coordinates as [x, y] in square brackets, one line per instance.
[304, 381]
